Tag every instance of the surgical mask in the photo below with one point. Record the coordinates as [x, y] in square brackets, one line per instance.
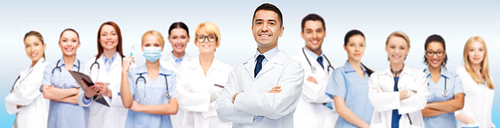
[152, 54]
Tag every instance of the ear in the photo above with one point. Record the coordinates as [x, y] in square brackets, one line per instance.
[345, 48]
[386, 49]
[282, 30]
[44, 46]
[302, 34]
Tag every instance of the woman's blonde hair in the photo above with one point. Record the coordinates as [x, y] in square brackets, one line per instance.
[155, 34]
[401, 35]
[485, 67]
[210, 28]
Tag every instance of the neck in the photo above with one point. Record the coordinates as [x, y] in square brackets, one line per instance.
[69, 61]
[355, 64]
[206, 59]
[34, 62]
[108, 53]
[476, 68]
[435, 70]
[263, 50]
[153, 66]
[178, 54]
[317, 52]
[397, 68]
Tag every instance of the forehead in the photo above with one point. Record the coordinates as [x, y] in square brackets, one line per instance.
[178, 31]
[69, 34]
[435, 45]
[395, 40]
[313, 24]
[266, 15]
[107, 28]
[476, 44]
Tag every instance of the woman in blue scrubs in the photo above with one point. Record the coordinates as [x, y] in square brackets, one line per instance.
[445, 88]
[60, 87]
[148, 91]
[349, 85]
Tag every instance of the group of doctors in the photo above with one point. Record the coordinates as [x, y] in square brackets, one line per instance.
[268, 90]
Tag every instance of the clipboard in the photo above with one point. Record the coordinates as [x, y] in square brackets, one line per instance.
[79, 77]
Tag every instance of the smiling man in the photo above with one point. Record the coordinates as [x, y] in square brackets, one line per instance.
[311, 111]
[263, 91]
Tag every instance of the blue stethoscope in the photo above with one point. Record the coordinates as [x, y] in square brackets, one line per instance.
[445, 92]
[168, 94]
[59, 67]
[313, 69]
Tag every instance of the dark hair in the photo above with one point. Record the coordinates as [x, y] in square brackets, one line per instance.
[69, 29]
[178, 25]
[439, 39]
[38, 35]
[312, 17]
[270, 7]
[119, 48]
[346, 40]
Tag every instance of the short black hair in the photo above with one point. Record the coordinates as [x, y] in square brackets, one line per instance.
[439, 39]
[270, 7]
[313, 17]
[178, 25]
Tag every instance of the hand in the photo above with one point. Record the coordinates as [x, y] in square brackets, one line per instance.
[312, 80]
[276, 89]
[136, 107]
[46, 87]
[378, 89]
[126, 63]
[19, 106]
[90, 91]
[103, 88]
[234, 97]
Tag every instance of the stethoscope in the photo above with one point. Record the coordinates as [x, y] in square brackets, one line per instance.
[59, 67]
[313, 69]
[445, 92]
[168, 94]
[98, 67]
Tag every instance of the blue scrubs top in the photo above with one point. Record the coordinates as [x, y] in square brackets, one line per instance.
[453, 86]
[155, 94]
[345, 83]
[61, 114]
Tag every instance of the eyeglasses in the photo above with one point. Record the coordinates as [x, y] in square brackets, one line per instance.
[203, 38]
[431, 53]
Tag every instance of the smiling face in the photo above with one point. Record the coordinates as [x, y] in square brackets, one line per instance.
[178, 39]
[206, 47]
[266, 29]
[34, 47]
[397, 48]
[68, 43]
[108, 37]
[476, 53]
[313, 34]
[435, 54]
[355, 48]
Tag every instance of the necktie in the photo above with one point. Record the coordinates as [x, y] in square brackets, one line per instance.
[258, 66]
[320, 61]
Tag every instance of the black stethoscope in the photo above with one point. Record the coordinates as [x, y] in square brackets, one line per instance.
[59, 67]
[313, 69]
[98, 66]
[445, 92]
[168, 94]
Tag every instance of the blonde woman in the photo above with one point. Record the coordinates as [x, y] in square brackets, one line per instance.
[201, 81]
[477, 85]
[148, 90]
[398, 93]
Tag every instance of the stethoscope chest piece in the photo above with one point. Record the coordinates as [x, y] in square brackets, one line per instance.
[313, 69]
[445, 93]
[168, 95]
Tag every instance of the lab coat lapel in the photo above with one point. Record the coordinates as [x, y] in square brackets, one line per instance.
[250, 66]
[279, 59]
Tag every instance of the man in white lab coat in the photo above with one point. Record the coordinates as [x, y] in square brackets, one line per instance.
[263, 91]
[312, 111]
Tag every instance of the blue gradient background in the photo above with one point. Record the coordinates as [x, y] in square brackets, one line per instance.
[455, 20]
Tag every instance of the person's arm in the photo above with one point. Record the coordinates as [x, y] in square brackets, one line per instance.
[347, 114]
[313, 92]
[164, 109]
[57, 94]
[452, 105]
[381, 101]
[26, 91]
[418, 101]
[274, 105]
[188, 100]
[226, 110]
[428, 112]
[72, 99]
[126, 95]
[464, 118]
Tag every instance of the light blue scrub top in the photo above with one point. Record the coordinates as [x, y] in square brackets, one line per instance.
[61, 114]
[345, 83]
[453, 86]
[155, 95]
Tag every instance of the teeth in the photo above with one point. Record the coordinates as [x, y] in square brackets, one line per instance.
[264, 35]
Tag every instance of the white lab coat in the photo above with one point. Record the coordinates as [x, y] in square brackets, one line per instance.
[310, 112]
[193, 93]
[478, 100]
[26, 92]
[169, 63]
[388, 100]
[254, 106]
[101, 116]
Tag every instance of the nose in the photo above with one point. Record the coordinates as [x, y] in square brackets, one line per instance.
[356, 48]
[265, 27]
[315, 35]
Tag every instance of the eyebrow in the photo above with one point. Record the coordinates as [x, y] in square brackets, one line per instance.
[267, 20]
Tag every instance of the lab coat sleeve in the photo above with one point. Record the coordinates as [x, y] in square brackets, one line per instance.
[418, 101]
[188, 100]
[381, 101]
[26, 92]
[82, 101]
[275, 105]
[225, 108]
[314, 93]
[337, 85]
